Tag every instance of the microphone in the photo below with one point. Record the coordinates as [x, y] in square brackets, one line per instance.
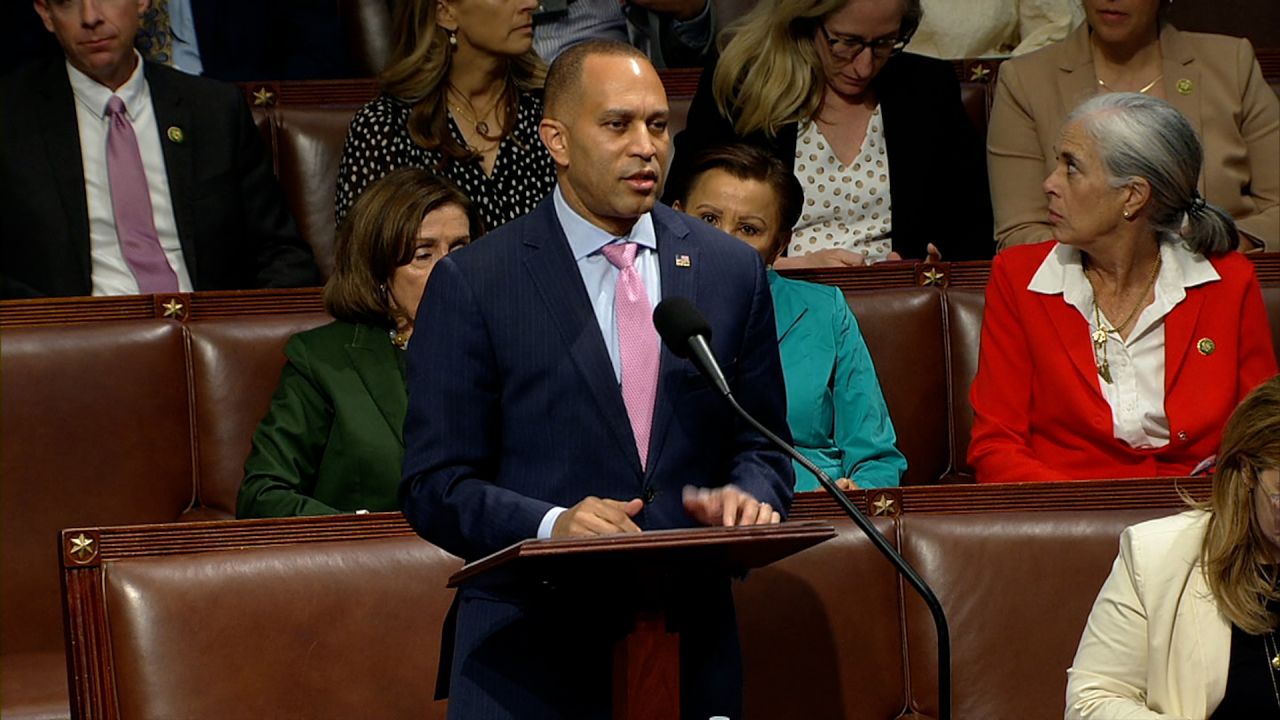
[686, 333]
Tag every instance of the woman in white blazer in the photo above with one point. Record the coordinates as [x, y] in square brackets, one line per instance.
[1185, 625]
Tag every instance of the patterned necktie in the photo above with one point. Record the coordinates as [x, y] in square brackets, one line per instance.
[131, 204]
[638, 344]
[155, 38]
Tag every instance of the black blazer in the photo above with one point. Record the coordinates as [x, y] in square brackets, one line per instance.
[937, 164]
[235, 229]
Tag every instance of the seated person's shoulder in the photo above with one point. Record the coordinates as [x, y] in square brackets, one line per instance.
[385, 106]
[1154, 538]
[1022, 256]
[811, 293]
[194, 85]
[1214, 44]
[1042, 64]
[1018, 264]
[324, 342]
[1233, 265]
[381, 115]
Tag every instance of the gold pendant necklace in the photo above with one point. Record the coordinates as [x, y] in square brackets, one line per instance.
[478, 119]
[1100, 344]
[1143, 91]
[1101, 333]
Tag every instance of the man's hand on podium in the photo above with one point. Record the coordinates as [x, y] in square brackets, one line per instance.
[598, 516]
[727, 506]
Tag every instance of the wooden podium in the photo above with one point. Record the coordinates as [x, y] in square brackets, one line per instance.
[646, 668]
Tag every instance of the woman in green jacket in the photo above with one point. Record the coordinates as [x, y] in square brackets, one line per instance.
[835, 409]
[331, 441]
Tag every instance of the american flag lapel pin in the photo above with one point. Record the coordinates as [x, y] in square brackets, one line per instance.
[683, 261]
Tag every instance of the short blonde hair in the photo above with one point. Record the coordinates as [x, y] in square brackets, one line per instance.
[1235, 555]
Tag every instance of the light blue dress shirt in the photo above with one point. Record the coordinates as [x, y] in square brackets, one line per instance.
[182, 26]
[600, 278]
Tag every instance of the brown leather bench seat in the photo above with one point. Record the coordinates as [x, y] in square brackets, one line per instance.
[121, 422]
[140, 410]
[341, 616]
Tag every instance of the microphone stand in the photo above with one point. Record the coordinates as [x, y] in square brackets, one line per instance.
[894, 557]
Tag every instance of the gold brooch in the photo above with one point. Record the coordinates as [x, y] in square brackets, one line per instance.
[1205, 346]
[1185, 86]
[175, 134]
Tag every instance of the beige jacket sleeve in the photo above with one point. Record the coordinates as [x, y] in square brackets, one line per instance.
[1015, 164]
[1260, 130]
[1108, 678]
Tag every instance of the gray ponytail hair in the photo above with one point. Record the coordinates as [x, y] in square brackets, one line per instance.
[1138, 136]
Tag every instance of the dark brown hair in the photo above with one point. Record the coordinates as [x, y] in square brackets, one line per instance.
[747, 162]
[379, 235]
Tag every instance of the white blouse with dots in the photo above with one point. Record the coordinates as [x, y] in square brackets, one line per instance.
[844, 206]
[378, 142]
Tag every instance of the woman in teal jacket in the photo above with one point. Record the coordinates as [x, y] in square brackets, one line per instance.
[331, 440]
[834, 406]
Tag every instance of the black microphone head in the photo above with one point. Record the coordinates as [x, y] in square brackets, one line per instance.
[677, 319]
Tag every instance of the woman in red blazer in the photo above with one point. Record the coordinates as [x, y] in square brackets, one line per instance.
[1119, 349]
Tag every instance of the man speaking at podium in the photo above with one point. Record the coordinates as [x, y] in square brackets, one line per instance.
[542, 404]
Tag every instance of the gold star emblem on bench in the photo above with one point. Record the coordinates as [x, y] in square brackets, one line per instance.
[979, 73]
[82, 549]
[931, 277]
[173, 309]
[883, 505]
[263, 97]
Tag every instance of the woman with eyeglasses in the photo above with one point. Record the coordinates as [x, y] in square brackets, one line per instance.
[1185, 626]
[889, 161]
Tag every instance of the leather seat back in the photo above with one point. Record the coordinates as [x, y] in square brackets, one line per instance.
[904, 333]
[235, 367]
[320, 630]
[825, 620]
[93, 433]
[1016, 588]
[964, 329]
[309, 144]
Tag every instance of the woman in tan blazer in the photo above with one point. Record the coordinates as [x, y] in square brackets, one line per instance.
[1214, 80]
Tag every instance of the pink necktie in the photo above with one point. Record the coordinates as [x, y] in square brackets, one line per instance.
[131, 204]
[637, 342]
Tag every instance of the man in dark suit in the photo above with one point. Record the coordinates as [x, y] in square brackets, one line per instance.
[540, 405]
[217, 212]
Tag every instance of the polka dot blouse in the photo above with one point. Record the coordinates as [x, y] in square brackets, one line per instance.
[845, 206]
[378, 142]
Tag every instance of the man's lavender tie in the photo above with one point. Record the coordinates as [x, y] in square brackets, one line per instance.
[131, 204]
